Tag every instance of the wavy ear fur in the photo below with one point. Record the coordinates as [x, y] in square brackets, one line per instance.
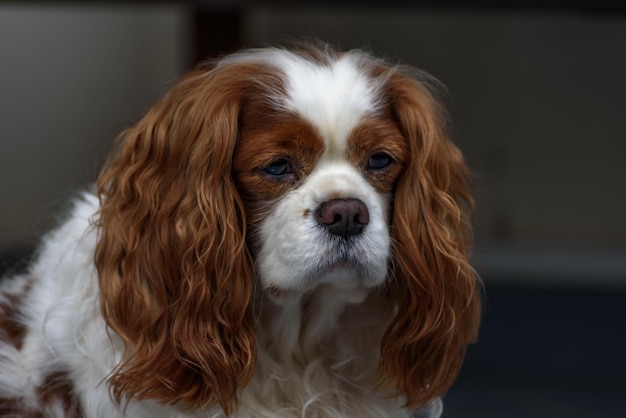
[434, 286]
[174, 272]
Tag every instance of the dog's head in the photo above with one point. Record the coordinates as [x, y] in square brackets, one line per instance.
[284, 170]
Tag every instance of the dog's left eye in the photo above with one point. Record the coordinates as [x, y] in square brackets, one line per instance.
[378, 161]
[278, 168]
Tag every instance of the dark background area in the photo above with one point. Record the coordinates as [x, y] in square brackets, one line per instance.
[536, 94]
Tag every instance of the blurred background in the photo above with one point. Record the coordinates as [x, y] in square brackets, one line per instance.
[537, 96]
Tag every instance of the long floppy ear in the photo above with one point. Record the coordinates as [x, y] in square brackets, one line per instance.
[435, 288]
[174, 272]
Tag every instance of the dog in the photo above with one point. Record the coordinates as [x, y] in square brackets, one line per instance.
[286, 233]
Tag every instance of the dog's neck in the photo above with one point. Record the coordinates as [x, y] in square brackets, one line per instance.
[320, 352]
[321, 323]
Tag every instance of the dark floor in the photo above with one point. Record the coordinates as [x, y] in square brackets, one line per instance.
[545, 354]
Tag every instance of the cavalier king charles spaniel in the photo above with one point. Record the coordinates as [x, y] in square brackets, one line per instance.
[285, 234]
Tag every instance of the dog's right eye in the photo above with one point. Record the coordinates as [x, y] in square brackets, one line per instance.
[278, 168]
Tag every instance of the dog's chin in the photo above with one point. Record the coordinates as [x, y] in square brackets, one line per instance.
[348, 281]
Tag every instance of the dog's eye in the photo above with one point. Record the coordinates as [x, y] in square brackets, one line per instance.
[278, 168]
[378, 161]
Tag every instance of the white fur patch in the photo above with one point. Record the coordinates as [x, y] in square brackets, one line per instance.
[295, 248]
[333, 98]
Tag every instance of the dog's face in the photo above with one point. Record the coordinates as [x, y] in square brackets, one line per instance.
[283, 171]
[317, 174]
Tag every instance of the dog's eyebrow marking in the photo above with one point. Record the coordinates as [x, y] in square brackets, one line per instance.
[333, 96]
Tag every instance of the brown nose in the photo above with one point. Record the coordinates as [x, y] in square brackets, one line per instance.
[343, 217]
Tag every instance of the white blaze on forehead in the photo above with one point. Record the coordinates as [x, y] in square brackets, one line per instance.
[334, 98]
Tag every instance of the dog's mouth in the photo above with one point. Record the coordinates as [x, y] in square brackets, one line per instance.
[343, 272]
[346, 266]
[340, 263]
